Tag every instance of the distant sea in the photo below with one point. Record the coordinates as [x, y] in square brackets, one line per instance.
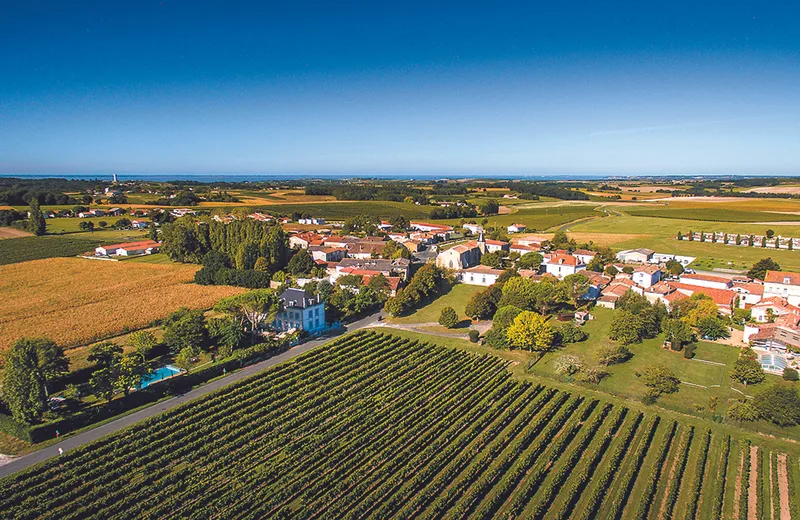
[232, 177]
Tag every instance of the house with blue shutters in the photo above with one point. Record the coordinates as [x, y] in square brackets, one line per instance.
[300, 312]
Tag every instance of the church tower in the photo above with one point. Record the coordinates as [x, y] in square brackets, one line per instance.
[482, 243]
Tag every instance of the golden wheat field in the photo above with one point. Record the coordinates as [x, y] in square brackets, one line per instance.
[74, 301]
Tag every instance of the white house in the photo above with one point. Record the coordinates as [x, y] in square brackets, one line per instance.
[300, 312]
[143, 247]
[584, 255]
[480, 275]
[749, 293]
[310, 220]
[516, 228]
[425, 226]
[640, 256]
[707, 280]
[560, 265]
[139, 224]
[646, 275]
[783, 284]
[473, 228]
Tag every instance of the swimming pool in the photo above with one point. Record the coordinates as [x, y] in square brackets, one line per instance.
[773, 362]
[159, 374]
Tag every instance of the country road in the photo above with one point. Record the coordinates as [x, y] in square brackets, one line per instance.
[86, 437]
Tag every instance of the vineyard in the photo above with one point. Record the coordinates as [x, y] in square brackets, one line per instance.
[375, 426]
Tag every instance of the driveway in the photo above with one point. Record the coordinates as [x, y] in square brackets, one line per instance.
[86, 437]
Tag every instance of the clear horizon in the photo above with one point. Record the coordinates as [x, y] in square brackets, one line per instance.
[364, 89]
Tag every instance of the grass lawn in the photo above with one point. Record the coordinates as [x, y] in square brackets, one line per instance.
[456, 298]
[717, 214]
[540, 216]
[72, 224]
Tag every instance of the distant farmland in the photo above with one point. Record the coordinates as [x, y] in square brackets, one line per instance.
[375, 426]
[74, 301]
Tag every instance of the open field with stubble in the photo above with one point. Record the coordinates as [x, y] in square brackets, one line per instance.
[399, 428]
[75, 301]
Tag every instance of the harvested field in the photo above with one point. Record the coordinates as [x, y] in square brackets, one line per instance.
[8, 232]
[75, 301]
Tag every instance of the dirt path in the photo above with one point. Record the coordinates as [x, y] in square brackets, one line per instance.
[671, 480]
[783, 488]
[737, 491]
[752, 487]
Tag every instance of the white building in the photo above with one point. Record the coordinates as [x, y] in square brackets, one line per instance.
[300, 312]
[561, 266]
[646, 275]
[783, 284]
[639, 256]
[480, 275]
[516, 228]
[707, 280]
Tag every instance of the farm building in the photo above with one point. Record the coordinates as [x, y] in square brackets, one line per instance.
[144, 247]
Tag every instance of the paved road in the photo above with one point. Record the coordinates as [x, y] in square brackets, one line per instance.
[113, 426]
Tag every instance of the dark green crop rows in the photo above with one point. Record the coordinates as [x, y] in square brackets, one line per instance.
[375, 426]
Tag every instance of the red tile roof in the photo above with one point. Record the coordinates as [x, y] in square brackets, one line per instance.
[780, 276]
[722, 297]
[706, 278]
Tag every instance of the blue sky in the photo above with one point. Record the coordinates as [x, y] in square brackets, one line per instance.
[400, 87]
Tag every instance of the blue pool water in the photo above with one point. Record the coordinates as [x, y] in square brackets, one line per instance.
[159, 374]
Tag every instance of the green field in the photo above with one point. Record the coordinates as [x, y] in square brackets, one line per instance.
[344, 210]
[397, 429]
[457, 298]
[72, 224]
[157, 258]
[23, 249]
[540, 216]
[710, 214]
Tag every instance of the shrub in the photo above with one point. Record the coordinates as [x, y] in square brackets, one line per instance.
[567, 365]
[742, 411]
[790, 374]
[496, 338]
[504, 316]
[613, 354]
[474, 335]
[688, 352]
[448, 318]
[567, 333]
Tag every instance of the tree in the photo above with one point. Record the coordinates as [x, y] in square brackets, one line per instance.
[30, 365]
[560, 240]
[494, 259]
[660, 380]
[143, 342]
[613, 354]
[496, 338]
[489, 207]
[770, 233]
[760, 268]
[596, 264]
[392, 249]
[674, 267]
[261, 265]
[676, 332]
[86, 225]
[105, 354]
[103, 224]
[592, 374]
[530, 261]
[504, 316]
[185, 328]
[625, 327]
[790, 374]
[568, 333]
[519, 292]
[36, 221]
[186, 358]
[448, 318]
[103, 381]
[712, 327]
[575, 286]
[129, 372]
[743, 411]
[301, 263]
[483, 305]
[251, 309]
[226, 332]
[779, 403]
[611, 271]
[530, 331]
[703, 307]
[746, 369]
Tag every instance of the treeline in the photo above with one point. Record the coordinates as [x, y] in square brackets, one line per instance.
[23, 197]
[243, 252]
[534, 190]
[457, 211]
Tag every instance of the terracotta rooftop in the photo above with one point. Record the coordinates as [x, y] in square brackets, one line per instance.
[781, 276]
